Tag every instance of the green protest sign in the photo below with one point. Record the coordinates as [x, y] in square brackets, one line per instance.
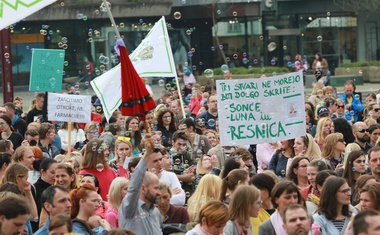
[46, 70]
[254, 111]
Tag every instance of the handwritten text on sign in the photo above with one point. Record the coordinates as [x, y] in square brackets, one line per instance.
[46, 70]
[69, 108]
[253, 111]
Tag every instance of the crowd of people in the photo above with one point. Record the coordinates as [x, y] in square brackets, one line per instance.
[173, 176]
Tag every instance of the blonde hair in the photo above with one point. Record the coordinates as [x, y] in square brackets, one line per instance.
[312, 151]
[329, 145]
[90, 126]
[241, 201]
[349, 148]
[369, 121]
[317, 86]
[207, 190]
[200, 169]
[35, 125]
[117, 142]
[13, 172]
[319, 136]
[114, 193]
[326, 89]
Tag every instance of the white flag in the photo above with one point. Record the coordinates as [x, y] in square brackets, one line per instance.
[152, 58]
[12, 11]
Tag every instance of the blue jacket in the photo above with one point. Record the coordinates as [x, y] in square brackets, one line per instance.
[356, 106]
[44, 229]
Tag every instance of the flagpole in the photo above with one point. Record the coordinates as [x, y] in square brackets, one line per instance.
[180, 97]
[111, 18]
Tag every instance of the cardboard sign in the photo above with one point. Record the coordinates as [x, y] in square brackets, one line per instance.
[254, 111]
[46, 70]
[69, 108]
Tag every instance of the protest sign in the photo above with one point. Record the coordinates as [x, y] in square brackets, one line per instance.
[69, 108]
[46, 70]
[254, 111]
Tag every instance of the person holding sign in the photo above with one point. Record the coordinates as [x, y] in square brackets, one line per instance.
[77, 135]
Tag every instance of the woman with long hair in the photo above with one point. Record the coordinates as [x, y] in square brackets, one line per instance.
[313, 200]
[297, 172]
[123, 151]
[320, 67]
[305, 146]
[234, 179]
[47, 178]
[371, 110]
[265, 183]
[8, 133]
[95, 161]
[212, 218]
[77, 135]
[245, 203]
[310, 120]
[333, 150]
[84, 203]
[166, 123]
[341, 125]
[132, 131]
[324, 128]
[118, 190]
[65, 176]
[207, 190]
[361, 182]
[283, 194]
[374, 133]
[18, 174]
[91, 131]
[333, 214]
[280, 158]
[370, 197]
[354, 168]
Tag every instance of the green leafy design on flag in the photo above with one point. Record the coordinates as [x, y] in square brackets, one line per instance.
[16, 5]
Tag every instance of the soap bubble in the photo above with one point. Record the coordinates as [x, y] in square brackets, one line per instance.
[212, 48]
[99, 167]
[64, 40]
[245, 61]
[190, 53]
[177, 15]
[194, 67]
[234, 13]
[211, 122]
[319, 38]
[208, 73]
[161, 82]
[224, 67]
[6, 55]
[235, 56]
[273, 62]
[255, 61]
[103, 7]
[66, 63]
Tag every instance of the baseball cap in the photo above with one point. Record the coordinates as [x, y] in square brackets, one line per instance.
[323, 110]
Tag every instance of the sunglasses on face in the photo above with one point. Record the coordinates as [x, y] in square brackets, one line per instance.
[341, 140]
[376, 109]
[340, 106]
[364, 130]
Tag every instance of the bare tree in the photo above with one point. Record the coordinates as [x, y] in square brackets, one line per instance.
[363, 9]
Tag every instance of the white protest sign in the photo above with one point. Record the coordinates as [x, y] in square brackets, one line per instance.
[254, 111]
[69, 108]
